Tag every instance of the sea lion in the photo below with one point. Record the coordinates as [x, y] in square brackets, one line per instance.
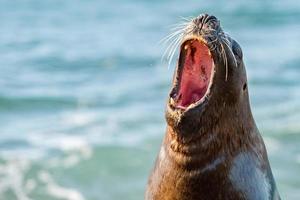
[212, 148]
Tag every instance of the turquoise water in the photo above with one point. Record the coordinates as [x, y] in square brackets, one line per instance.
[83, 88]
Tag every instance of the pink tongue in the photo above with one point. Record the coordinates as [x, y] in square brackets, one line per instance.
[196, 73]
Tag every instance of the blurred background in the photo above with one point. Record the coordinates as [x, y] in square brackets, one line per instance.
[83, 91]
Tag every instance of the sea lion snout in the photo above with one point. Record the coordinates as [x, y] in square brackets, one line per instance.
[206, 24]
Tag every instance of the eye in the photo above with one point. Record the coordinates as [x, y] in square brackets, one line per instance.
[237, 49]
[245, 86]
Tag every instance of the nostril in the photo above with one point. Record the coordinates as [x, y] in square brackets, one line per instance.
[197, 21]
[205, 23]
[212, 21]
[212, 18]
[205, 18]
[201, 18]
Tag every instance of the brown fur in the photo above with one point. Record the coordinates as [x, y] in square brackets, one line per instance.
[214, 150]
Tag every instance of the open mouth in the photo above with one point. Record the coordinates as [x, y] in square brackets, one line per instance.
[195, 72]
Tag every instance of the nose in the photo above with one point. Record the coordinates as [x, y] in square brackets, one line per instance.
[207, 22]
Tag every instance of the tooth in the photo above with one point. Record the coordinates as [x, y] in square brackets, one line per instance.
[172, 101]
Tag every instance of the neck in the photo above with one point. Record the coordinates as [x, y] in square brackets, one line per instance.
[230, 133]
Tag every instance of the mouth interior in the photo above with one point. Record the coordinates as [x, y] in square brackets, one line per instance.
[196, 71]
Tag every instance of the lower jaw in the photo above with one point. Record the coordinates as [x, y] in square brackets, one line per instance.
[199, 104]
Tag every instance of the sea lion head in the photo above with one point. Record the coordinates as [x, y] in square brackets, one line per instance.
[209, 80]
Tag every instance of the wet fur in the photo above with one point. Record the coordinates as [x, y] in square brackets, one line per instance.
[214, 150]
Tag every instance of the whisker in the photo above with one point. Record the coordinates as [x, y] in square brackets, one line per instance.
[225, 33]
[188, 19]
[176, 39]
[189, 32]
[170, 36]
[210, 31]
[179, 26]
[226, 42]
[213, 41]
[169, 47]
[172, 47]
[225, 61]
[176, 44]
[169, 52]
[214, 46]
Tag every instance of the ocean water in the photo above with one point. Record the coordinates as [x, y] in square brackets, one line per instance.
[83, 90]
